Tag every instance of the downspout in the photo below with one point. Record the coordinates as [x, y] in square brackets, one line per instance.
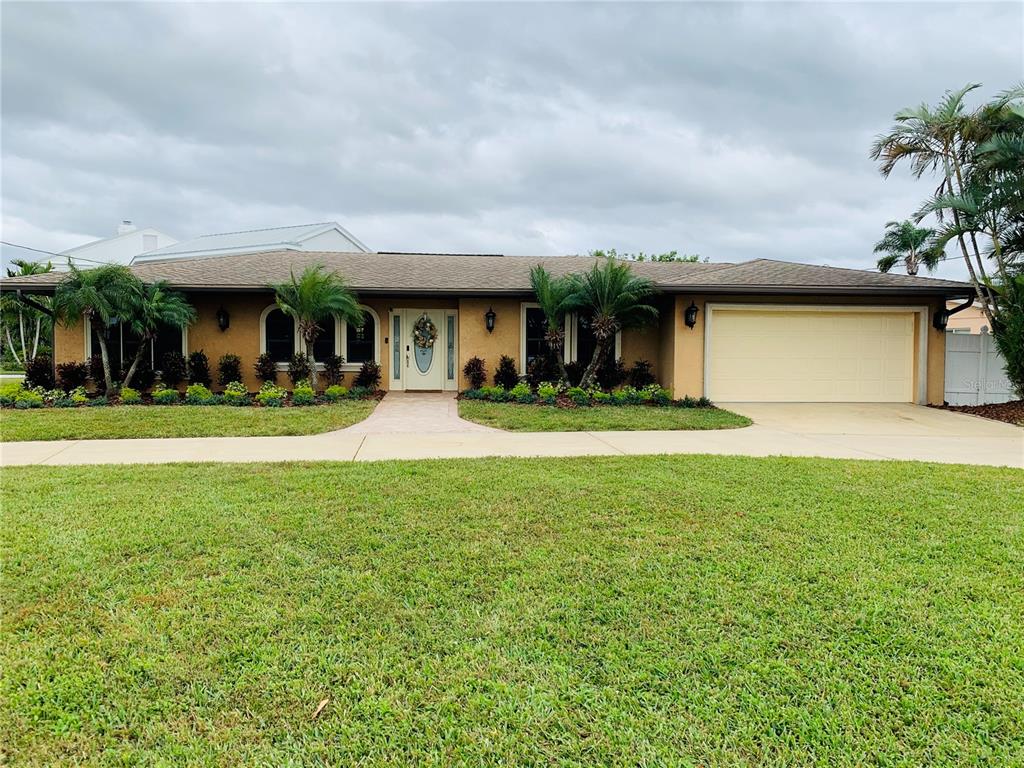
[941, 317]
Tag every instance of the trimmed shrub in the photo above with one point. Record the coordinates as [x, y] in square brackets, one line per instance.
[332, 369]
[72, 375]
[611, 373]
[173, 369]
[506, 376]
[641, 374]
[98, 402]
[602, 398]
[547, 392]
[362, 393]
[303, 394]
[199, 369]
[199, 394]
[39, 372]
[475, 372]
[335, 392]
[229, 369]
[271, 395]
[521, 393]
[578, 395]
[235, 393]
[543, 368]
[299, 368]
[78, 396]
[473, 394]
[28, 398]
[495, 393]
[130, 396]
[368, 376]
[628, 396]
[8, 391]
[266, 368]
[658, 395]
[166, 397]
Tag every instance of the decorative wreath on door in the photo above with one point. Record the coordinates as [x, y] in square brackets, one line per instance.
[424, 332]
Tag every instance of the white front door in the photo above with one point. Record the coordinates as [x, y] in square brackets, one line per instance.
[424, 361]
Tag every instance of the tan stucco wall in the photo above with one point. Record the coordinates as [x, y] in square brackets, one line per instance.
[475, 341]
[688, 365]
[69, 343]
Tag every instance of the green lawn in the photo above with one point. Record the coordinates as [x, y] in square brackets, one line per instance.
[542, 418]
[177, 421]
[593, 611]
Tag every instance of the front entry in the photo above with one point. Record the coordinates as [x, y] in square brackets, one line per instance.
[425, 356]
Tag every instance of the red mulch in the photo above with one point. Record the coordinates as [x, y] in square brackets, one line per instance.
[1011, 412]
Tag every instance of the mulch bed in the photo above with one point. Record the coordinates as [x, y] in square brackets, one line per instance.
[1011, 412]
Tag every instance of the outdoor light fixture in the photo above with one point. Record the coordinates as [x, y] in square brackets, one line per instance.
[223, 319]
[489, 319]
[690, 316]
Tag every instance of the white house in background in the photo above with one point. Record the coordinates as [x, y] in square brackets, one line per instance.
[326, 236]
[128, 243]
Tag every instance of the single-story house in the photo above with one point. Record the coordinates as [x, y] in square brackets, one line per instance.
[760, 330]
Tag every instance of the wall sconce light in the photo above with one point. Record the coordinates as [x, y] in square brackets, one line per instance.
[489, 319]
[223, 319]
[690, 316]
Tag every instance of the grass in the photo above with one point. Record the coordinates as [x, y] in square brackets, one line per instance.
[540, 418]
[177, 421]
[593, 611]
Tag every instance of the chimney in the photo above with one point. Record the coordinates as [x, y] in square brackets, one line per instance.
[125, 227]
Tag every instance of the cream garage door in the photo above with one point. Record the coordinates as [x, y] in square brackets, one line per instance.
[810, 356]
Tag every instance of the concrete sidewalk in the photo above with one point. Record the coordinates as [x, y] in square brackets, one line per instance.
[850, 432]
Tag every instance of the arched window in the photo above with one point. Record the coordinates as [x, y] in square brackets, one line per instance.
[278, 334]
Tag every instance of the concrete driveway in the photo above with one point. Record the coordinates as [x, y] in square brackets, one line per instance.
[893, 430]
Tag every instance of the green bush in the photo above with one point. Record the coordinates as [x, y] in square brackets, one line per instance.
[271, 395]
[199, 394]
[78, 396]
[362, 393]
[166, 397]
[658, 395]
[547, 392]
[130, 396]
[9, 391]
[521, 393]
[578, 395]
[473, 394]
[495, 393]
[602, 398]
[98, 401]
[628, 396]
[235, 393]
[303, 394]
[335, 392]
[28, 398]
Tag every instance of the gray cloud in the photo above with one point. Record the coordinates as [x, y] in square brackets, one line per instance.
[733, 130]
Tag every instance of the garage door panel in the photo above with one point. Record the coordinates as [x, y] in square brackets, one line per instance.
[811, 355]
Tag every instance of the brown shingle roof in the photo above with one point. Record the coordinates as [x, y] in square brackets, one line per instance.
[484, 274]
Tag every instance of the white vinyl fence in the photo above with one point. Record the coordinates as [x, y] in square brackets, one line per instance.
[974, 370]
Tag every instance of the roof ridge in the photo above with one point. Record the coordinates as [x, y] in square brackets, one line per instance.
[266, 229]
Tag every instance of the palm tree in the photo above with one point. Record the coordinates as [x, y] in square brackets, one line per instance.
[554, 295]
[615, 299]
[317, 295]
[905, 242]
[101, 296]
[155, 306]
[15, 313]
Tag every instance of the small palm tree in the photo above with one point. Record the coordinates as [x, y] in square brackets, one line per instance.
[554, 295]
[155, 306]
[912, 245]
[616, 299]
[317, 295]
[101, 296]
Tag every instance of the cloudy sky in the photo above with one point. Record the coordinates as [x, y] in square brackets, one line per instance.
[731, 130]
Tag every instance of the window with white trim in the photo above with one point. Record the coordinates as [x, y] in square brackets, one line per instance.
[122, 345]
[278, 335]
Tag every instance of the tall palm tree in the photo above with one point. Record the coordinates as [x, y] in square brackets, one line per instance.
[17, 314]
[910, 244]
[554, 295]
[615, 299]
[155, 306]
[317, 295]
[101, 296]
